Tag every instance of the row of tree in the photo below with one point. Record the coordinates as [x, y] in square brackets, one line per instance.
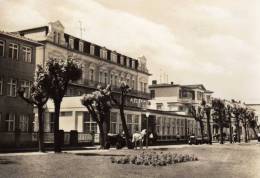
[51, 82]
[223, 113]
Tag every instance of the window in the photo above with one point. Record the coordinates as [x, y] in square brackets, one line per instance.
[163, 126]
[142, 86]
[13, 51]
[100, 77]
[11, 88]
[27, 54]
[2, 48]
[145, 87]
[113, 57]
[133, 83]
[26, 86]
[112, 79]
[51, 123]
[10, 122]
[1, 85]
[199, 95]
[71, 43]
[152, 94]
[158, 125]
[132, 123]
[89, 126]
[105, 78]
[92, 49]
[116, 82]
[168, 126]
[178, 126]
[173, 124]
[23, 123]
[122, 60]
[91, 75]
[103, 54]
[159, 106]
[113, 119]
[81, 46]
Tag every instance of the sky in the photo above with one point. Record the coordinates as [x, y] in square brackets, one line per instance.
[215, 43]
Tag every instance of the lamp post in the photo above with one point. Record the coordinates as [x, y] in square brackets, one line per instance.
[147, 114]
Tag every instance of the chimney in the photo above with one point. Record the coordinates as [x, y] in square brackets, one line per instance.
[154, 82]
[172, 83]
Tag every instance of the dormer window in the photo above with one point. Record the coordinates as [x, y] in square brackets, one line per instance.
[122, 60]
[128, 62]
[71, 43]
[113, 57]
[103, 53]
[92, 49]
[81, 46]
[133, 64]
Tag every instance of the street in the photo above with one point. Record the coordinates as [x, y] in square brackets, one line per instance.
[215, 161]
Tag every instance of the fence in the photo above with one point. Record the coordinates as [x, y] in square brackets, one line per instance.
[30, 139]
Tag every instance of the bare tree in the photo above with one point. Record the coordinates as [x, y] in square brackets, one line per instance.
[38, 97]
[59, 72]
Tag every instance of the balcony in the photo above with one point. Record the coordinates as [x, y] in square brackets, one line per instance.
[185, 100]
[116, 89]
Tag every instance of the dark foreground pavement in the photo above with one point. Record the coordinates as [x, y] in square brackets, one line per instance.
[215, 161]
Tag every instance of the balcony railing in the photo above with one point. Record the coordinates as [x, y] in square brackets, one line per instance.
[185, 99]
[115, 88]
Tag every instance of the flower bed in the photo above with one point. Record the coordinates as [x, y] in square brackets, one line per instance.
[154, 159]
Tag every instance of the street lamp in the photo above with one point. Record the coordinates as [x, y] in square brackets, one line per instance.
[147, 114]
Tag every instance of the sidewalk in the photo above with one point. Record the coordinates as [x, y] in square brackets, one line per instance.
[94, 150]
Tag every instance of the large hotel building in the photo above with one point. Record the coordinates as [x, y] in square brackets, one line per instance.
[166, 103]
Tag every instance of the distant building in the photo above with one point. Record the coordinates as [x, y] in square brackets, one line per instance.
[17, 66]
[256, 109]
[177, 98]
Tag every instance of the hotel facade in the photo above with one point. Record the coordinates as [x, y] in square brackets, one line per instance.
[104, 66]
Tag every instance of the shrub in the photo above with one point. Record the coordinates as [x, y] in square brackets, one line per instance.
[154, 159]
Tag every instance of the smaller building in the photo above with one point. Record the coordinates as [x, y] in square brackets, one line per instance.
[17, 67]
[177, 98]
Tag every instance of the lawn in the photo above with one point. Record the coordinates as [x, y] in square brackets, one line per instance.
[214, 161]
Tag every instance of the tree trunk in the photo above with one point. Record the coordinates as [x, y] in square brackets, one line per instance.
[221, 134]
[101, 137]
[41, 128]
[209, 127]
[255, 132]
[106, 128]
[238, 129]
[202, 130]
[127, 136]
[245, 130]
[57, 135]
[230, 131]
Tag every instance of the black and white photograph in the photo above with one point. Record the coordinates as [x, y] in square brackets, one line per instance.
[129, 89]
